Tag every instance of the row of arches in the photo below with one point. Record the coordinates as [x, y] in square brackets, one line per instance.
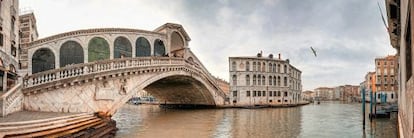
[71, 52]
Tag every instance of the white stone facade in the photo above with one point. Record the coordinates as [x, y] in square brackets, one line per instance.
[9, 25]
[263, 81]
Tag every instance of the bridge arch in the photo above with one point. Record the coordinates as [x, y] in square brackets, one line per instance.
[98, 49]
[183, 88]
[122, 47]
[142, 47]
[43, 59]
[71, 52]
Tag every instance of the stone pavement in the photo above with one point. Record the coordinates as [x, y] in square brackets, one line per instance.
[31, 115]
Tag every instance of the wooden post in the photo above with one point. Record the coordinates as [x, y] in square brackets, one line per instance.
[363, 107]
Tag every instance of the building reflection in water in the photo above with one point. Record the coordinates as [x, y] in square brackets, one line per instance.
[328, 119]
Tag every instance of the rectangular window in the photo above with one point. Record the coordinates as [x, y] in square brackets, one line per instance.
[234, 93]
[270, 93]
[274, 93]
[248, 93]
[286, 94]
[278, 93]
[259, 93]
[254, 94]
[264, 93]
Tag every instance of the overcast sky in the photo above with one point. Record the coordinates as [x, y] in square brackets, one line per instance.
[347, 34]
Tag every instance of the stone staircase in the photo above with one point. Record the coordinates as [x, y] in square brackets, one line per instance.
[79, 125]
[12, 100]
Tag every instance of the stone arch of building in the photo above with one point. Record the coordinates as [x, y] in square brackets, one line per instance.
[177, 44]
[98, 49]
[71, 52]
[122, 47]
[159, 48]
[43, 59]
[142, 47]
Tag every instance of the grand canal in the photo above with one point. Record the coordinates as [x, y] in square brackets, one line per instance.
[329, 119]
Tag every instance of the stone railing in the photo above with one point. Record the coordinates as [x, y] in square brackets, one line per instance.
[73, 71]
[97, 67]
[11, 101]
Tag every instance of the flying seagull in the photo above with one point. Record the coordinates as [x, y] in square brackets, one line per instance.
[314, 51]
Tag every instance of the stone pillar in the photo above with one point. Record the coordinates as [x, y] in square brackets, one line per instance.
[5, 82]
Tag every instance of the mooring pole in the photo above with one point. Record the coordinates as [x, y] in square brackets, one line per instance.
[363, 107]
[370, 105]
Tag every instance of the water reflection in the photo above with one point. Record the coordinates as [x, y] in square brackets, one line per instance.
[332, 119]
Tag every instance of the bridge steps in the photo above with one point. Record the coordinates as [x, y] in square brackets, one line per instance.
[80, 125]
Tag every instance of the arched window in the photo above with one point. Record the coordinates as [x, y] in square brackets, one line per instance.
[254, 66]
[270, 79]
[234, 80]
[1, 63]
[247, 80]
[285, 81]
[285, 69]
[278, 68]
[98, 49]
[159, 48]
[274, 67]
[274, 80]
[71, 52]
[177, 42]
[259, 66]
[12, 68]
[254, 80]
[264, 67]
[263, 80]
[278, 81]
[190, 59]
[247, 66]
[143, 48]
[122, 47]
[270, 67]
[233, 66]
[259, 80]
[42, 60]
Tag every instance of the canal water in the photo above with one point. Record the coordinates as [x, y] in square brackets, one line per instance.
[326, 120]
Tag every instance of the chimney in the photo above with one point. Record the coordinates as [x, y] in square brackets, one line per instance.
[279, 56]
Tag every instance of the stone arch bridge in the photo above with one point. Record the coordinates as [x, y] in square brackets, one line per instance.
[99, 70]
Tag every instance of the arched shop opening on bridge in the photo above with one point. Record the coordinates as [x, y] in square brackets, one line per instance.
[72, 52]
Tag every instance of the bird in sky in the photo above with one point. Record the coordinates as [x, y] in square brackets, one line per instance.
[314, 51]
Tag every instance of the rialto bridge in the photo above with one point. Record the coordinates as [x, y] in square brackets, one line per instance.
[98, 70]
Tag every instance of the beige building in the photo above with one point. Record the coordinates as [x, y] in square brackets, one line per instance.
[385, 78]
[259, 80]
[308, 95]
[224, 85]
[401, 33]
[9, 43]
[28, 33]
[324, 93]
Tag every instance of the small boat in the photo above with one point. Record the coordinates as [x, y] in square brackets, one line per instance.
[254, 107]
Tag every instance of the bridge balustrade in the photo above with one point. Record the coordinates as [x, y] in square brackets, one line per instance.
[97, 67]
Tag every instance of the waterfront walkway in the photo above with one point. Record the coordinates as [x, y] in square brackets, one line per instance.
[31, 115]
